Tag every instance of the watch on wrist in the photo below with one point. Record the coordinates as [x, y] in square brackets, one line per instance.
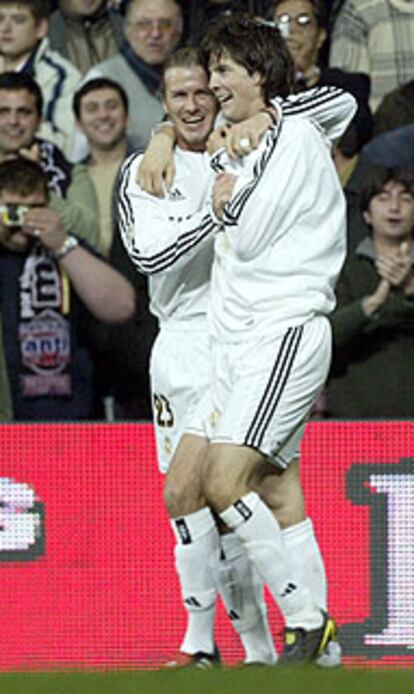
[69, 244]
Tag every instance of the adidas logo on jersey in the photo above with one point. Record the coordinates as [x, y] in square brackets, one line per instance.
[176, 194]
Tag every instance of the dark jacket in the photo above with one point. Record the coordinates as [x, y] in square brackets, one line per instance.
[372, 375]
[98, 37]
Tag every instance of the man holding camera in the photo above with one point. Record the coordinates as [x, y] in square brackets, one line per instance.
[49, 282]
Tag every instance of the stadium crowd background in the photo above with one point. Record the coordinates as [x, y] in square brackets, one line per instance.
[98, 66]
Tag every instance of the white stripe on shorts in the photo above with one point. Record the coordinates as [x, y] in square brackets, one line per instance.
[274, 387]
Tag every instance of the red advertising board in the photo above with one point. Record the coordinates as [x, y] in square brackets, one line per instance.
[86, 563]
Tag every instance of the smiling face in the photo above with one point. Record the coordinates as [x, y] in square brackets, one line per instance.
[153, 28]
[239, 94]
[103, 118]
[298, 24]
[190, 105]
[19, 31]
[19, 120]
[391, 212]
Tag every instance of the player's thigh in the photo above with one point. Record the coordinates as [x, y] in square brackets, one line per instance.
[227, 471]
[273, 389]
[179, 370]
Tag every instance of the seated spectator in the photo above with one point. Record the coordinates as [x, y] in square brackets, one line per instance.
[49, 282]
[373, 325]
[86, 32]
[71, 191]
[375, 37]
[303, 23]
[101, 111]
[25, 48]
[396, 109]
[153, 28]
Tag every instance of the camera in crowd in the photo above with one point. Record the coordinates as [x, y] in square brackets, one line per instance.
[13, 215]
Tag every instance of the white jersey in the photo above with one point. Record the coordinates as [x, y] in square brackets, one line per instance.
[171, 239]
[282, 242]
[167, 239]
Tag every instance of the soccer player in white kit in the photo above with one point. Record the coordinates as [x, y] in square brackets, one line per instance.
[279, 248]
[171, 245]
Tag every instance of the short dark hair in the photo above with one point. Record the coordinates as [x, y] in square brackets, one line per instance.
[255, 44]
[377, 177]
[184, 57]
[40, 9]
[96, 84]
[23, 176]
[318, 7]
[17, 81]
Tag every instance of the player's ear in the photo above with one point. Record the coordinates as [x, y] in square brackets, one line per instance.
[257, 78]
[367, 217]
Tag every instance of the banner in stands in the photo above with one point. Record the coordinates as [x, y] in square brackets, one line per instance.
[86, 551]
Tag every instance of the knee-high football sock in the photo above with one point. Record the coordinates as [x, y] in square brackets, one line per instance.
[301, 543]
[196, 559]
[242, 591]
[300, 540]
[260, 533]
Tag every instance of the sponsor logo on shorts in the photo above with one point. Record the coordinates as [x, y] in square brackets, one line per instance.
[290, 588]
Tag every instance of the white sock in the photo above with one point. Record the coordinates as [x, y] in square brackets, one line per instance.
[301, 542]
[260, 533]
[302, 545]
[196, 559]
[241, 589]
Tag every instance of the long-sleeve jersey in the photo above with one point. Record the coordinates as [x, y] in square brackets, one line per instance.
[281, 244]
[171, 238]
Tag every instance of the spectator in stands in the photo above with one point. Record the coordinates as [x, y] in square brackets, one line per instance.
[375, 37]
[71, 190]
[49, 281]
[24, 48]
[393, 149]
[101, 112]
[373, 324]
[396, 109]
[304, 23]
[86, 31]
[153, 28]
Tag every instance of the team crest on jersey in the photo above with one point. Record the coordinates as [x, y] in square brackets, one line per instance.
[214, 418]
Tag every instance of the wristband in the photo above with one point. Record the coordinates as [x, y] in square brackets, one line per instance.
[69, 244]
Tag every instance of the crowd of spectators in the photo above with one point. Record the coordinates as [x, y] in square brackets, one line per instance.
[80, 90]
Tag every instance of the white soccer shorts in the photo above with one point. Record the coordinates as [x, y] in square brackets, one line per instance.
[180, 374]
[263, 390]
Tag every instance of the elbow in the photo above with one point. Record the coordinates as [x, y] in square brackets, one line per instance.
[120, 306]
[126, 306]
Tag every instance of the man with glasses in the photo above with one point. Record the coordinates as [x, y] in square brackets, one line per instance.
[152, 30]
[303, 24]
